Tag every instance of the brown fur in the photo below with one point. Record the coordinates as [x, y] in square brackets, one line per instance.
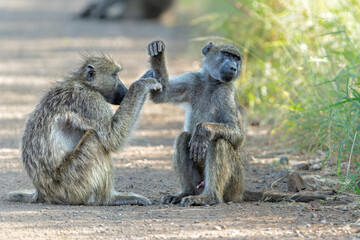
[69, 137]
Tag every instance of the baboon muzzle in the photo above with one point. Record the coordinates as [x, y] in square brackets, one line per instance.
[119, 94]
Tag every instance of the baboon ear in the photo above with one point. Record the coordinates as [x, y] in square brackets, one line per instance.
[207, 48]
[90, 73]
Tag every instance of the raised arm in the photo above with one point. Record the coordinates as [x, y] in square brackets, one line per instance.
[177, 89]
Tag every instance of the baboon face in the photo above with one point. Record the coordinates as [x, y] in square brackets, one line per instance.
[103, 76]
[223, 62]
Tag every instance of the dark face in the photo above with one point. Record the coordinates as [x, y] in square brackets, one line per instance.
[108, 85]
[229, 68]
[222, 62]
[118, 94]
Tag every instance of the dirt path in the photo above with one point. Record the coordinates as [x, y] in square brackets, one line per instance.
[39, 43]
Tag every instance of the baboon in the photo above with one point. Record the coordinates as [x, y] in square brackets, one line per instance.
[209, 157]
[129, 8]
[69, 137]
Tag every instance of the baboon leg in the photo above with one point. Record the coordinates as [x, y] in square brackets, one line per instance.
[188, 172]
[90, 182]
[220, 175]
[234, 189]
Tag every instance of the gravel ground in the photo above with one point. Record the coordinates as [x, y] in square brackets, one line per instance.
[40, 42]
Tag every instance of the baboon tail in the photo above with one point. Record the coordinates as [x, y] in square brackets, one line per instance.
[27, 196]
[250, 196]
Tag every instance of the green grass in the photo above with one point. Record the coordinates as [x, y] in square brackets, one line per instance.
[301, 70]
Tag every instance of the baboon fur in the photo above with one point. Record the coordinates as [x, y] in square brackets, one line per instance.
[69, 137]
[209, 157]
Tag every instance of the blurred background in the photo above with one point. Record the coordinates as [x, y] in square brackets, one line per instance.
[301, 65]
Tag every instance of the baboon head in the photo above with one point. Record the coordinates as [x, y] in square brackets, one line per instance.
[101, 73]
[222, 62]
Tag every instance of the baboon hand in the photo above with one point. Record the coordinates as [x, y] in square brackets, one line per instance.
[151, 84]
[155, 48]
[199, 143]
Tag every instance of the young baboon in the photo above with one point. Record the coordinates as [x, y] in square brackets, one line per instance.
[69, 137]
[209, 157]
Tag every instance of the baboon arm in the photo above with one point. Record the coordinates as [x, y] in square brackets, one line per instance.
[125, 116]
[220, 130]
[177, 90]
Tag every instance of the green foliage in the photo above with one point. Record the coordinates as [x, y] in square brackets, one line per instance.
[302, 68]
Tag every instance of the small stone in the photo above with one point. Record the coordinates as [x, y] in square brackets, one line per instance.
[218, 228]
[284, 160]
[295, 182]
[316, 167]
[129, 186]
[229, 203]
[315, 161]
[303, 166]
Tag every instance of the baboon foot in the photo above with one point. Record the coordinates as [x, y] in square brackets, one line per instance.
[174, 199]
[198, 200]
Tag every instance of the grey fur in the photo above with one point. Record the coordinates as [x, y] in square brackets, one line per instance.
[210, 152]
[211, 147]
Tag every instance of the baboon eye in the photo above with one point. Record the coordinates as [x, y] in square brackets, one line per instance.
[226, 54]
[115, 75]
[237, 58]
[90, 73]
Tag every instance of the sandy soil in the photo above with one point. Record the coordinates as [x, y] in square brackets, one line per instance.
[40, 42]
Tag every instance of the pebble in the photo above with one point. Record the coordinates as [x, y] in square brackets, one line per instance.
[129, 186]
[218, 228]
[315, 161]
[316, 167]
[284, 160]
[295, 182]
[303, 166]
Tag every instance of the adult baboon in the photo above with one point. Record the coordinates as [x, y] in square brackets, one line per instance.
[69, 137]
[209, 157]
[129, 8]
